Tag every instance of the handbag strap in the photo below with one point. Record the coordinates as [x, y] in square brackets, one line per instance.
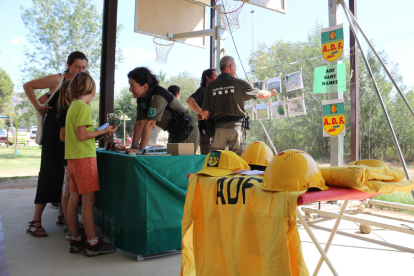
[54, 92]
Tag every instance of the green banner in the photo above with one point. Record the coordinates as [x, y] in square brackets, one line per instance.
[330, 78]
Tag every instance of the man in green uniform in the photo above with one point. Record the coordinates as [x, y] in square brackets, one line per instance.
[224, 103]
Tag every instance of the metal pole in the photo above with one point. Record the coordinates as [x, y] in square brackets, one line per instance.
[337, 143]
[107, 84]
[394, 138]
[354, 89]
[212, 38]
[268, 137]
[382, 63]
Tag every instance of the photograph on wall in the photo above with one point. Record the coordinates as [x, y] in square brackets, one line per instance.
[262, 111]
[249, 109]
[259, 85]
[275, 83]
[296, 106]
[278, 109]
[294, 81]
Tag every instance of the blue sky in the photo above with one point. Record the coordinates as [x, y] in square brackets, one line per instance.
[388, 25]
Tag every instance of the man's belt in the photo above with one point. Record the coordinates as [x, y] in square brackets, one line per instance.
[229, 119]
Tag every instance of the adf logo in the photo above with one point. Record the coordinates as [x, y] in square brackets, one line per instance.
[214, 159]
[333, 118]
[332, 43]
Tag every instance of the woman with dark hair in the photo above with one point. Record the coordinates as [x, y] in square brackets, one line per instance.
[195, 102]
[157, 106]
[49, 187]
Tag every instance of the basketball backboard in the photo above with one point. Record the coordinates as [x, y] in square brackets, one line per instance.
[274, 5]
[159, 17]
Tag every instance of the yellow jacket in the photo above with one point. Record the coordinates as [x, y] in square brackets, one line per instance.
[368, 179]
[231, 226]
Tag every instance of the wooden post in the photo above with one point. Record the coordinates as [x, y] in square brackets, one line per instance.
[14, 135]
[354, 89]
[107, 84]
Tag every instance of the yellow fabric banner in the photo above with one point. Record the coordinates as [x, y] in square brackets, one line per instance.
[231, 226]
[368, 179]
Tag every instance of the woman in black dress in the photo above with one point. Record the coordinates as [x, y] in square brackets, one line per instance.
[49, 187]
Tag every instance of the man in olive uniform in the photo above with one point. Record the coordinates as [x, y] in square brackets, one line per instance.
[224, 103]
[155, 108]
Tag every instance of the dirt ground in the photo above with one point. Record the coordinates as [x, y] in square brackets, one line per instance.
[18, 183]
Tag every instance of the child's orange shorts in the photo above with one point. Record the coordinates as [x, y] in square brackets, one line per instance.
[83, 174]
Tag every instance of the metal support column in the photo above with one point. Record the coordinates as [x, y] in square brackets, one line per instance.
[268, 137]
[107, 84]
[337, 143]
[354, 89]
[384, 109]
[213, 38]
[382, 63]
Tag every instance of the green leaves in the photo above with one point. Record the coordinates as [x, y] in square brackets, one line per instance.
[305, 132]
[6, 91]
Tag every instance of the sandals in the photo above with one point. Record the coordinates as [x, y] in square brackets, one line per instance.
[37, 232]
[61, 220]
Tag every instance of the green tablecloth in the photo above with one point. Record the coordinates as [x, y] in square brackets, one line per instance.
[141, 201]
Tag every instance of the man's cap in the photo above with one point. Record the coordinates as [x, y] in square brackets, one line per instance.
[223, 162]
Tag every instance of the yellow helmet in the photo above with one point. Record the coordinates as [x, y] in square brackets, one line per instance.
[293, 170]
[257, 153]
[369, 163]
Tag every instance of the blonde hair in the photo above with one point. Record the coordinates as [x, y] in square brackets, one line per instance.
[63, 101]
[81, 84]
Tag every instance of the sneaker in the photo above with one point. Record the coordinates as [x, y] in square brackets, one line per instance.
[54, 205]
[76, 246]
[69, 235]
[101, 247]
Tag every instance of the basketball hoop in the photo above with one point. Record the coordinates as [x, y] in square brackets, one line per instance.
[162, 48]
[229, 11]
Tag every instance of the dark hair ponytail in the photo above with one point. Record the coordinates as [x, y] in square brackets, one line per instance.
[142, 76]
[206, 73]
[73, 56]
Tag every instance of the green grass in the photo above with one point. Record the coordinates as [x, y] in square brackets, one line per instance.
[25, 163]
[3, 179]
[397, 197]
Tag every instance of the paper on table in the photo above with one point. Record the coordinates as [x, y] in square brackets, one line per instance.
[254, 172]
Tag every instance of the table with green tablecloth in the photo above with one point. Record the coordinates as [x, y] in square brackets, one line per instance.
[140, 204]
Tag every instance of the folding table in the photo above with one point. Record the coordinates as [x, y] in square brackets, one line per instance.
[334, 193]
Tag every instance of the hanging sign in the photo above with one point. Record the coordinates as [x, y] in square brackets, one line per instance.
[330, 78]
[332, 43]
[333, 117]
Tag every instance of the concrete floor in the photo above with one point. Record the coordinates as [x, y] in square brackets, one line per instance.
[382, 252]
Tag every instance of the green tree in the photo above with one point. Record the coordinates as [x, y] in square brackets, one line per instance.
[305, 132]
[6, 91]
[55, 29]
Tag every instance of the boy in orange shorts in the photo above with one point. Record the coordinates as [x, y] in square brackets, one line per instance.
[83, 172]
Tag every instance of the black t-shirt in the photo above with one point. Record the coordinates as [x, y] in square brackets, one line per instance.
[199, 95]
[62, 123]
